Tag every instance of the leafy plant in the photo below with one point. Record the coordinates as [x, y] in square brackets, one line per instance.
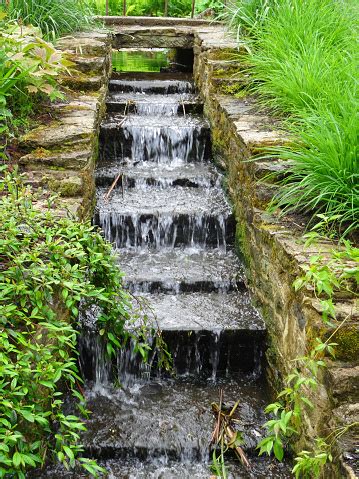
[310, 463]
[49, 268]
[176, 8]
[29, 66]
[324, 277]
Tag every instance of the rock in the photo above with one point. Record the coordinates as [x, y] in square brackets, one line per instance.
[59, 133]
[343, 382]
[66, 158]
[90, 44]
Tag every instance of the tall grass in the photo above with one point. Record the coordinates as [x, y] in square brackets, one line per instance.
[304, 61]
[53, 17]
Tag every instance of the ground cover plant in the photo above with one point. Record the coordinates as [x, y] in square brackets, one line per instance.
[303, 57]
[50, 267]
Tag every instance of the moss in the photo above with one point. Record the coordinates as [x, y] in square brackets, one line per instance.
[226, 72]
[233, 87]
[41, 153]
[67, 187]
[223, 54]
[56, 168]
[81, 82]
[347, 339]
[242, 244]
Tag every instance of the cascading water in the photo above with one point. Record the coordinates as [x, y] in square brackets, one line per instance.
[173, 231]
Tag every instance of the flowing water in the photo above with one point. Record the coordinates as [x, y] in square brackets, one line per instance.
[173, 232]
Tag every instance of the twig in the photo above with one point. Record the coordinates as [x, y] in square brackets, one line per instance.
[184, 109]
[215, 435]
[224, 434]
[122, 122]
[114, 183]
[238, 450]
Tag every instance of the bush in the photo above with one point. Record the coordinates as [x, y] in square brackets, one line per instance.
[28, 66]
[50, 266]
[324, 174]
[53, 17]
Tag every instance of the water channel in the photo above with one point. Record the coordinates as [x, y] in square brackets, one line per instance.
[173, 230]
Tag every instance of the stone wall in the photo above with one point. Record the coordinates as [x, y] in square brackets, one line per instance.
[272, 247]
[61, 152]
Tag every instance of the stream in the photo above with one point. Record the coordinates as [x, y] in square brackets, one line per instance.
[173, 230]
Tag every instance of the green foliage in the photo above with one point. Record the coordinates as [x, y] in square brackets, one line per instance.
[323, 175]
[303, 58]
[53, 17]
[216, 6]
[245, 17]
[323, 277]
[310, 463]
[28, 66]
[49, 268]
[155, 8]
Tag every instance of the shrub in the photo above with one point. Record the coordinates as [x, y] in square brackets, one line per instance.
[48, 267]
[324, 172]
[176, 8]
[29, 66]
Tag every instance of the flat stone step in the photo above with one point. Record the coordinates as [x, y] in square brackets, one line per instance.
[163, 87]
[261, 468]
[143, 175]
[209, 335]
[142, 104]
[181, 270]
[169, 419]
[155, 138]
[165, 217]
[206, 311]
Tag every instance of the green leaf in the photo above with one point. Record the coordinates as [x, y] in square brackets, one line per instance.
[17, 460]
[278, 450]
[69, 453]
[29, 416]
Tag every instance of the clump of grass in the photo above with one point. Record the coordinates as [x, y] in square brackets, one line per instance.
[324, 172]
[304, 60]
[304, 54]
[53, 17]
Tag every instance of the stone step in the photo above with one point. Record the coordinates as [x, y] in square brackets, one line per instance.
[154, 138]
[181, 270]
[155, 86]
[342, 379]
[206, 312]
[209, 335]
[261, 468]
[142, 104]
[143, 175]
[169, 419]
[165, 217]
